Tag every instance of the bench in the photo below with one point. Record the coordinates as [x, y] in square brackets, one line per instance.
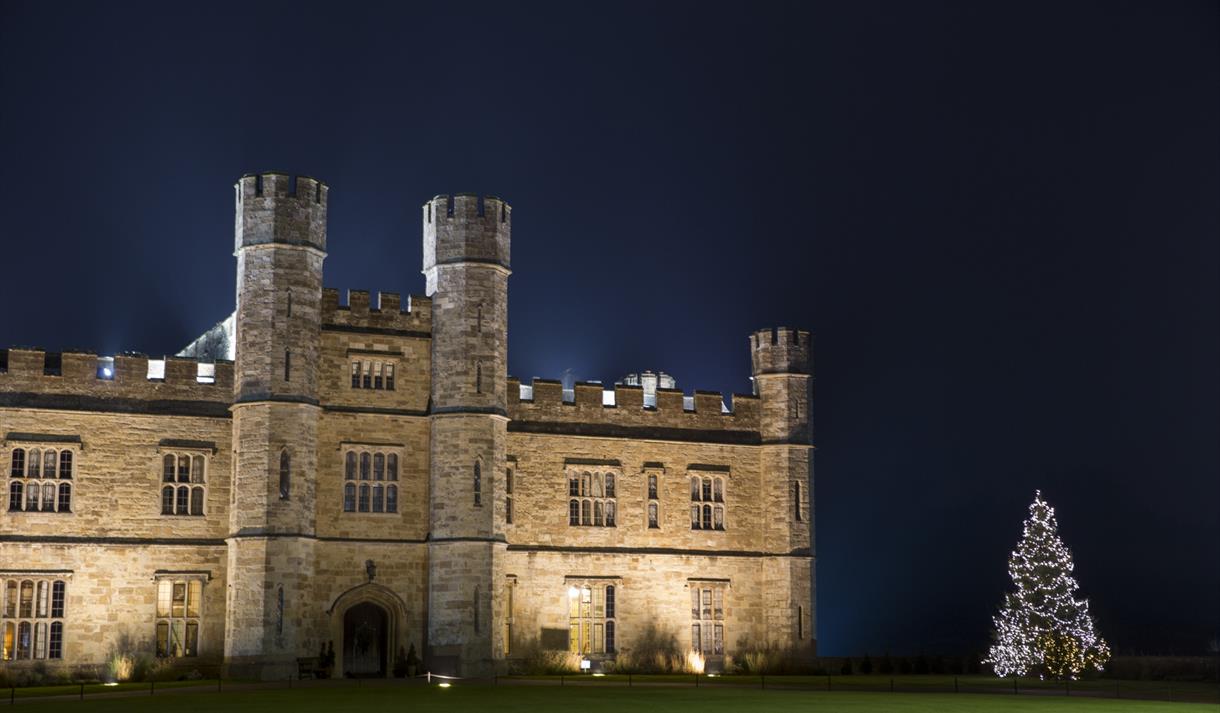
[307, 667]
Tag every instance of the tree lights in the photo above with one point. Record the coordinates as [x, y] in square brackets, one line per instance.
[1041, 628]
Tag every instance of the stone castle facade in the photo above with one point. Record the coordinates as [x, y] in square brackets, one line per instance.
[367, 474]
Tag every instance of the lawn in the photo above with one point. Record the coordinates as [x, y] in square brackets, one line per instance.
[593, 699]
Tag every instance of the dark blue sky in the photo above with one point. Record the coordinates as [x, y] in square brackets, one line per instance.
[1000, 219]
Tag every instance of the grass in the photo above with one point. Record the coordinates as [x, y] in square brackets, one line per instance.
[611, 699]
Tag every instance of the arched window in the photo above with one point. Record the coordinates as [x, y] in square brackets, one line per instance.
[586, 484]
[349, 470]
[31, 497]
[364, 498]
[573, 512]
[48, 497]
[609, 633]
[183, 500]
[597, 513]
[349, 497]
[718, 490]
[197, 470]
[196, 501]
[610, 513]
[14, 496]
[65, 498]
[796, 500]
[167, 500]
[652, 515]
[285, 474]
[378, 498]
[35, 464]
[391, 466]
[573, 485]
[65, 465]
[707, 517]
[378, 466]
[718, 517]
[56, 649]
[478, 484]
[586, 512]
[694, 488]
[610, 485]
[597, 486]
[707, 489]
[184, 469]
[167, 471]
[18, 468]
[391, 498]
[365, 461]
[48, 464]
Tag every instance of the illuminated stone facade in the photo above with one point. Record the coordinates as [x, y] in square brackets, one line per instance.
[367, 474]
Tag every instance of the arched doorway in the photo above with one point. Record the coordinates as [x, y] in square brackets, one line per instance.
[365, 641]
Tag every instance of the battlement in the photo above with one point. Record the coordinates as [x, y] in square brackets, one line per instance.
[377, 311]
[281, 209]
[69, 379]
[592, 404]
[466, 228]
[782, 350]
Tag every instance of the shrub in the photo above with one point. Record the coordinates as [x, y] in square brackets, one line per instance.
[533, 660]
[120, 668]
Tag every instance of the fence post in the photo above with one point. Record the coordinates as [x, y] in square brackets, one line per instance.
[82, 691]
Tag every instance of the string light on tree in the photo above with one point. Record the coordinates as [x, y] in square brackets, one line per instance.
[1042, 628]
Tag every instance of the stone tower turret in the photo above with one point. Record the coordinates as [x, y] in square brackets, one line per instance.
[466, 265]
[782, 361]
[280, 243]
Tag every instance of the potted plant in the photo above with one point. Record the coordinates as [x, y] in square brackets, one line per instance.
[412, 661]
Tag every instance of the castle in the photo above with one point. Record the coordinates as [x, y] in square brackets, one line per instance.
[369, 475]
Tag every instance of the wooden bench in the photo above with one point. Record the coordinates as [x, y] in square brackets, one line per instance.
[307, 667]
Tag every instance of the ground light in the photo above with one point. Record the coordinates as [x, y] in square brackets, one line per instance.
[111, 683]
[444, 685]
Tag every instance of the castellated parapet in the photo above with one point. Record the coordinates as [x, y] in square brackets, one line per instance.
[593, 412]
[366, 465]
[85, 381]
[467, 228]
[781, 350]
[377, 311]
[277, 208]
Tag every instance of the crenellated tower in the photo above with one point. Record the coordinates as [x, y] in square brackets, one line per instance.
[466, 265]
[280, 244]
[782, 365]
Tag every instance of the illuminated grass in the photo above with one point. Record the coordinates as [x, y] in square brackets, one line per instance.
[376, 697]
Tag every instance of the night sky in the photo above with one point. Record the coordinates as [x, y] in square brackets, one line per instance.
[1000, 220]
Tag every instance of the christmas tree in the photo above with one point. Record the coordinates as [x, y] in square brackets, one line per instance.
[1042, 628]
